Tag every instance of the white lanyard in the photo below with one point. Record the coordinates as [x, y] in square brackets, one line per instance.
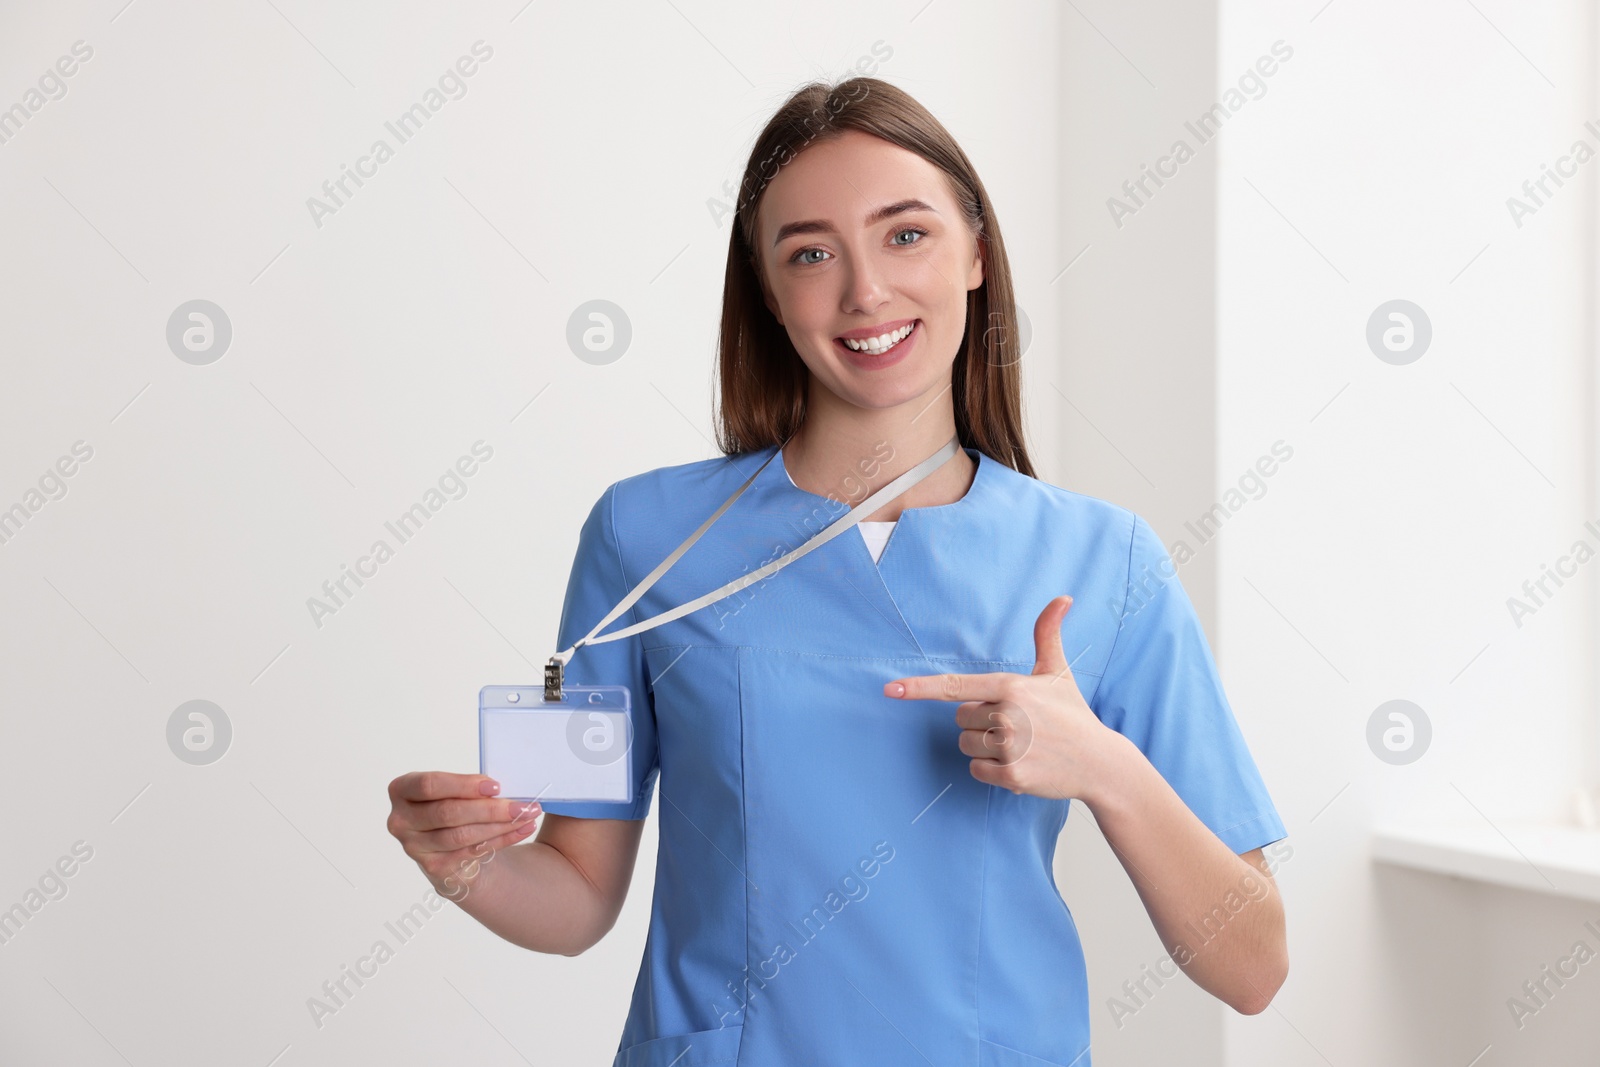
[554, 669]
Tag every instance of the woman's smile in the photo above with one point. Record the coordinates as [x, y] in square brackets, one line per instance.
[879, 347]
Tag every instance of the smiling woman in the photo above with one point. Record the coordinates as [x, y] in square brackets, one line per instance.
[939, 248]
[924, 697]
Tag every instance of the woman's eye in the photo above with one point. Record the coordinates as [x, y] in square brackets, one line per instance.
[797, 257]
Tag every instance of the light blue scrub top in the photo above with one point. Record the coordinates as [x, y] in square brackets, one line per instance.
[833, 887]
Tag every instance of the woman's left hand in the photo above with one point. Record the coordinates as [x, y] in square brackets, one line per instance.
[1027, 733]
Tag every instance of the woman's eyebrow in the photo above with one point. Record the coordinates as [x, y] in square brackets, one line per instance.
[899, 207]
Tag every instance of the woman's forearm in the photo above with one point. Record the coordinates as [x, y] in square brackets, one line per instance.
[1217, 913]
[533, 896]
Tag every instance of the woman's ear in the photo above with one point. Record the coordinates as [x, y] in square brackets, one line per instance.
[976, 274]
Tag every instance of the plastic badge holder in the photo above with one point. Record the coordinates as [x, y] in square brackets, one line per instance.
[577, 748]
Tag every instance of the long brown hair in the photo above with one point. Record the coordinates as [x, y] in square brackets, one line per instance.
[763, 378]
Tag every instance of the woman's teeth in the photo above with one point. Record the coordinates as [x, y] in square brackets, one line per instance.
[880, 344]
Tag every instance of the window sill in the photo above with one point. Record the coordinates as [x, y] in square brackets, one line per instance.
[1546, 857]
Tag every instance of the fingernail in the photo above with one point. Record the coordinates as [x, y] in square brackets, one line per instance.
[896, 689]
[489, 789]
[528, 810]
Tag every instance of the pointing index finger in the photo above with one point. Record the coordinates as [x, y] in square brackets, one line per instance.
[993, 687]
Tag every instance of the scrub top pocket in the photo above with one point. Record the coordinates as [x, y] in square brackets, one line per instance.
[707, 1048]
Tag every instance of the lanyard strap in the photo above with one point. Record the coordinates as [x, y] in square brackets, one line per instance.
[555, 668]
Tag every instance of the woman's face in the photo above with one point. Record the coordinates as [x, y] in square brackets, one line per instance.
[836, 266]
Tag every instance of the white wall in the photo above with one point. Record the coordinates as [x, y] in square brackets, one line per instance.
[1376, 562]
[1134, 401]
[1419, 498]
[367, 355]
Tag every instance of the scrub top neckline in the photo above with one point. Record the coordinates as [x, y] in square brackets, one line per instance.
[776, 473]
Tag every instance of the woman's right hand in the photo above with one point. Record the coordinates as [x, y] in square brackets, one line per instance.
[450, 824]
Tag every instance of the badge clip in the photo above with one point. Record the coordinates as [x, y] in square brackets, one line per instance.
[553, 672]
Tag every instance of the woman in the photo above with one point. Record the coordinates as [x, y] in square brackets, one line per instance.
[865, 759]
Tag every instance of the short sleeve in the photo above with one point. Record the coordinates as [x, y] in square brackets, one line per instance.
[596, 585]
[1161, 690]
